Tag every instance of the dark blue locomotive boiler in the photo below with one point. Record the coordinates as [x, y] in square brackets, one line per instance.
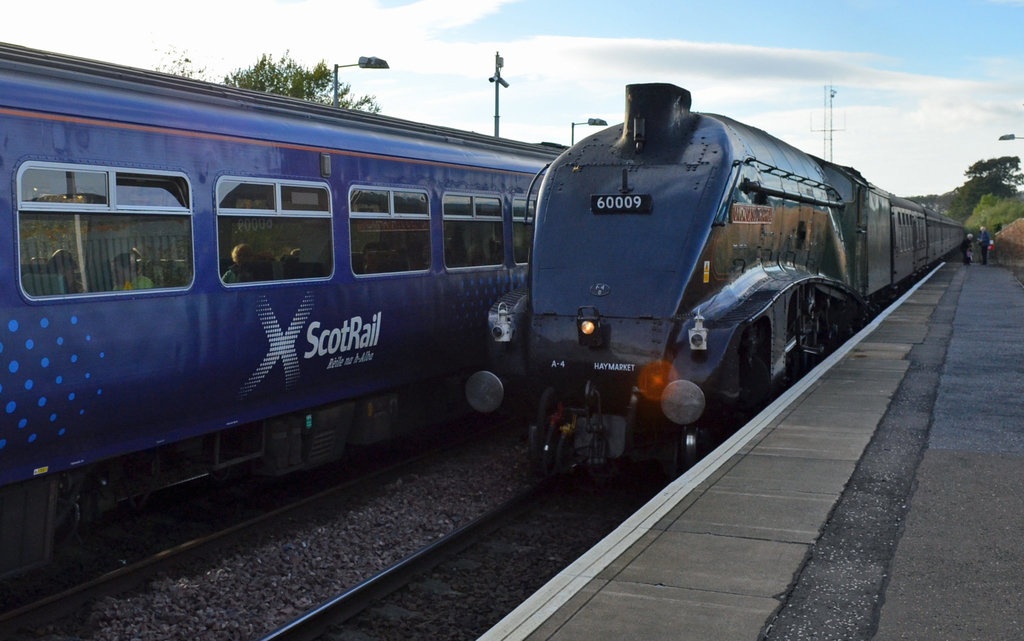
[685, 269]
[200, 278]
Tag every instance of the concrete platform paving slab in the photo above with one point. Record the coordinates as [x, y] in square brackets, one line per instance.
[813, 417]
[894, 351]
[860, 383]
[817, 442]
[827, 403]
[908, 331]
[857, 361]
[772, 472]
[641, 611]
[726, 564]
[776, 515]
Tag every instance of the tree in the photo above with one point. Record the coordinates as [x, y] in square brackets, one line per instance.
[995, 213]
[182, 65]
[996, 176]
[936, 202]
[286, 77]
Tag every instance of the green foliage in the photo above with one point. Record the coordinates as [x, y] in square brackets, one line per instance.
[936, 202]
[996, 176]
[181, 65]
[286, 77]
[995, 213]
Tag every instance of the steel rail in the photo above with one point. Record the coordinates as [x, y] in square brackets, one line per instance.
[66, 602]
[347, 605]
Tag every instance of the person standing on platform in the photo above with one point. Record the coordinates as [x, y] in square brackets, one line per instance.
[984, 242]
[965, 248]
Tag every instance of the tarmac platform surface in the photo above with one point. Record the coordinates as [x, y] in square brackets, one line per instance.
[882, 497]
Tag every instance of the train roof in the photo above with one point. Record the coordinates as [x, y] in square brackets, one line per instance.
[42, 66]
[757, 145]
[854, 176]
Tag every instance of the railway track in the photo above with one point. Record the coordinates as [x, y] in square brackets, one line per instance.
[344, 607]
[459, 589]
[305, 524]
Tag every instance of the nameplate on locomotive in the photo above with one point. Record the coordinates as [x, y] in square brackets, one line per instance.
[752, 214]
[621, 204]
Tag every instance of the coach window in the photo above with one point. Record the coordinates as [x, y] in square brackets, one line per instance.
[85, 230]
[522, 228]
[270, 230]
[389, 230]
[472, 231]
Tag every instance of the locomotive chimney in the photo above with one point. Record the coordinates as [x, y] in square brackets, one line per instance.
[654, 111]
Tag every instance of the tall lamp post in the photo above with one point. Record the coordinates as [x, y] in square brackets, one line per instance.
[1010, 137]
[498, 81]
[365, 62]
[593, 122]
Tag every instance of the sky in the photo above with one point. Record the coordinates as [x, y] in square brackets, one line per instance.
[918, 90]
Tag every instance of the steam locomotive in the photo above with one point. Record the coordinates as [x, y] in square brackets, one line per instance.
[686, 268]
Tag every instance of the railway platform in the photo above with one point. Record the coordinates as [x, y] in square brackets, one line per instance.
[880, 498]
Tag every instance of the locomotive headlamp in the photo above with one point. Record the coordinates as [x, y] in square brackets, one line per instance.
[588, 327]
[502, 323]
[698, 334]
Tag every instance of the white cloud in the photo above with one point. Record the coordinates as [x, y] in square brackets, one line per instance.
[922, 130]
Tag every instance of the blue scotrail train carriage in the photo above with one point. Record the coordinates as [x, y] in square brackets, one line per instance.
[200, 277]
[686, 268]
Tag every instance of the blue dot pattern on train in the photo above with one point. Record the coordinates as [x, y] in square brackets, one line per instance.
[476, 296]
[54, 372]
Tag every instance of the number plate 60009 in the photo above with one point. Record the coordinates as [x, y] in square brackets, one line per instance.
[620, 204]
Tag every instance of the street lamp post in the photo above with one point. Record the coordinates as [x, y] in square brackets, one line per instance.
[1010, 137]
[365, 62]
[593, 122]
[498, 81]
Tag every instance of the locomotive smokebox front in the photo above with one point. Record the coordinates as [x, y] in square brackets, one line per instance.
[622, 225]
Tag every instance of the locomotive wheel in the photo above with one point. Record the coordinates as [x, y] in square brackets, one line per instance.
[563, 452]
[689, 444]
[538, 432]
[550, 457]
[755, 374]
[689, 448]
[800, 319]
[755, 383]
[535, 444]
[558, 451]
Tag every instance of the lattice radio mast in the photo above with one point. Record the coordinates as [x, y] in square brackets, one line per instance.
[830, 94]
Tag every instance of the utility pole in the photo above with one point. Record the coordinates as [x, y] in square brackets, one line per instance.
[499, 82]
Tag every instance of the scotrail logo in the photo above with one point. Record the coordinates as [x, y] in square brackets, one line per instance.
[353, 334]
[281, 344]
[347, 344]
